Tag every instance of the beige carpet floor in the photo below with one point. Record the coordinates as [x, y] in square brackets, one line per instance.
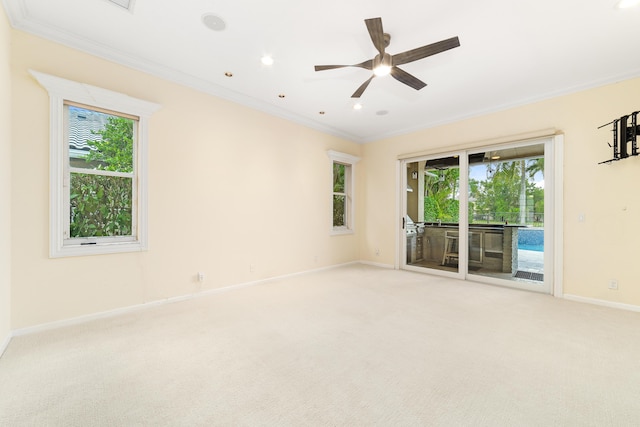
[352, 346]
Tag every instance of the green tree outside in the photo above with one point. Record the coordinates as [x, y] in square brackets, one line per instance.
[441, 196]
[339, 195]
[504, 196]
[101, 205]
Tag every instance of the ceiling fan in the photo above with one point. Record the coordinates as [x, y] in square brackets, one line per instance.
[384, 63]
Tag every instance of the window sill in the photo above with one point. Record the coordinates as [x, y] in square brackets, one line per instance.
[96, 249]
[341, 231]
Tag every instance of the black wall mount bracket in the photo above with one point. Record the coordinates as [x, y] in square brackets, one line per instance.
[625, 131]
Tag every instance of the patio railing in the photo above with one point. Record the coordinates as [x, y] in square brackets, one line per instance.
[535, 219]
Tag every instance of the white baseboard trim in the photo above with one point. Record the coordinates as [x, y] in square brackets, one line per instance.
[5, 343]
[604, 303]
[94, 316]
[378, 264]
[138, 307]
[133, 308]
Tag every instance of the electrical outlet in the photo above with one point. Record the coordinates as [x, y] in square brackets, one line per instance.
[377, 252]
[252, 268]
[613, 285]
[200, 277]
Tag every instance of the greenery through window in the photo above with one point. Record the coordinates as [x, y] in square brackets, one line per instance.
[441, 195]
[339, 195]
[101, 173]
[508, 192]
[501, 189]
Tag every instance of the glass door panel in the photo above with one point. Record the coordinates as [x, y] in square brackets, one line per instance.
[506, 214]
[432, 221]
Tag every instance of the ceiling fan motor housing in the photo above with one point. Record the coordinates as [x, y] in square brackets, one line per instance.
[385, 61]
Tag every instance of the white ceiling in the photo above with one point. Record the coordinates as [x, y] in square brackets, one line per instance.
[511, 53]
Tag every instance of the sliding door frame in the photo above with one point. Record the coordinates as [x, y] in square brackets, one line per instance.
[553, 154]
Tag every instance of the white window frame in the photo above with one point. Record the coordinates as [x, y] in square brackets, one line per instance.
[61, 90]
[349, 183]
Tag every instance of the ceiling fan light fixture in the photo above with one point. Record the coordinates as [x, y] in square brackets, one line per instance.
[382, 66]
[382, 70]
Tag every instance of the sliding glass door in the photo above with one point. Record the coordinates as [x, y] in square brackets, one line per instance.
[481, 214]
[506, 213]
[432, 217]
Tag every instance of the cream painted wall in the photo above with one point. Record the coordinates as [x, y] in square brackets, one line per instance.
[601, 248]
[229, 187]
[232, 187]
[5, 178]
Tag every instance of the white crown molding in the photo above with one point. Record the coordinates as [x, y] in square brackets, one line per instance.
[495, 109]
[18, 17]
[16, 12]
[20, 20]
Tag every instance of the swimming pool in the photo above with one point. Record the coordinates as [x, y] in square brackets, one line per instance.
[531, 239]
[525, 247]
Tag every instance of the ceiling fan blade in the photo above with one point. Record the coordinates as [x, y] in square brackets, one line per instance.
[367, 65]
[406, 78]
[424, 51]
[329, 67]
[374, 25]
[362, 87]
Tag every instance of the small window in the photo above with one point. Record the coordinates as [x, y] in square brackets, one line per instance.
[340, 209]
[342, 191]
[98, 162]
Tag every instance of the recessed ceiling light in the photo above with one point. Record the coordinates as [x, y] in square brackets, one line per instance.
[213, 22]
[228, 74]
[626, 4]
[357, 106]
[267, 60]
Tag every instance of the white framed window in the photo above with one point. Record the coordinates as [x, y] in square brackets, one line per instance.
[98, 169]
[342, 206]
